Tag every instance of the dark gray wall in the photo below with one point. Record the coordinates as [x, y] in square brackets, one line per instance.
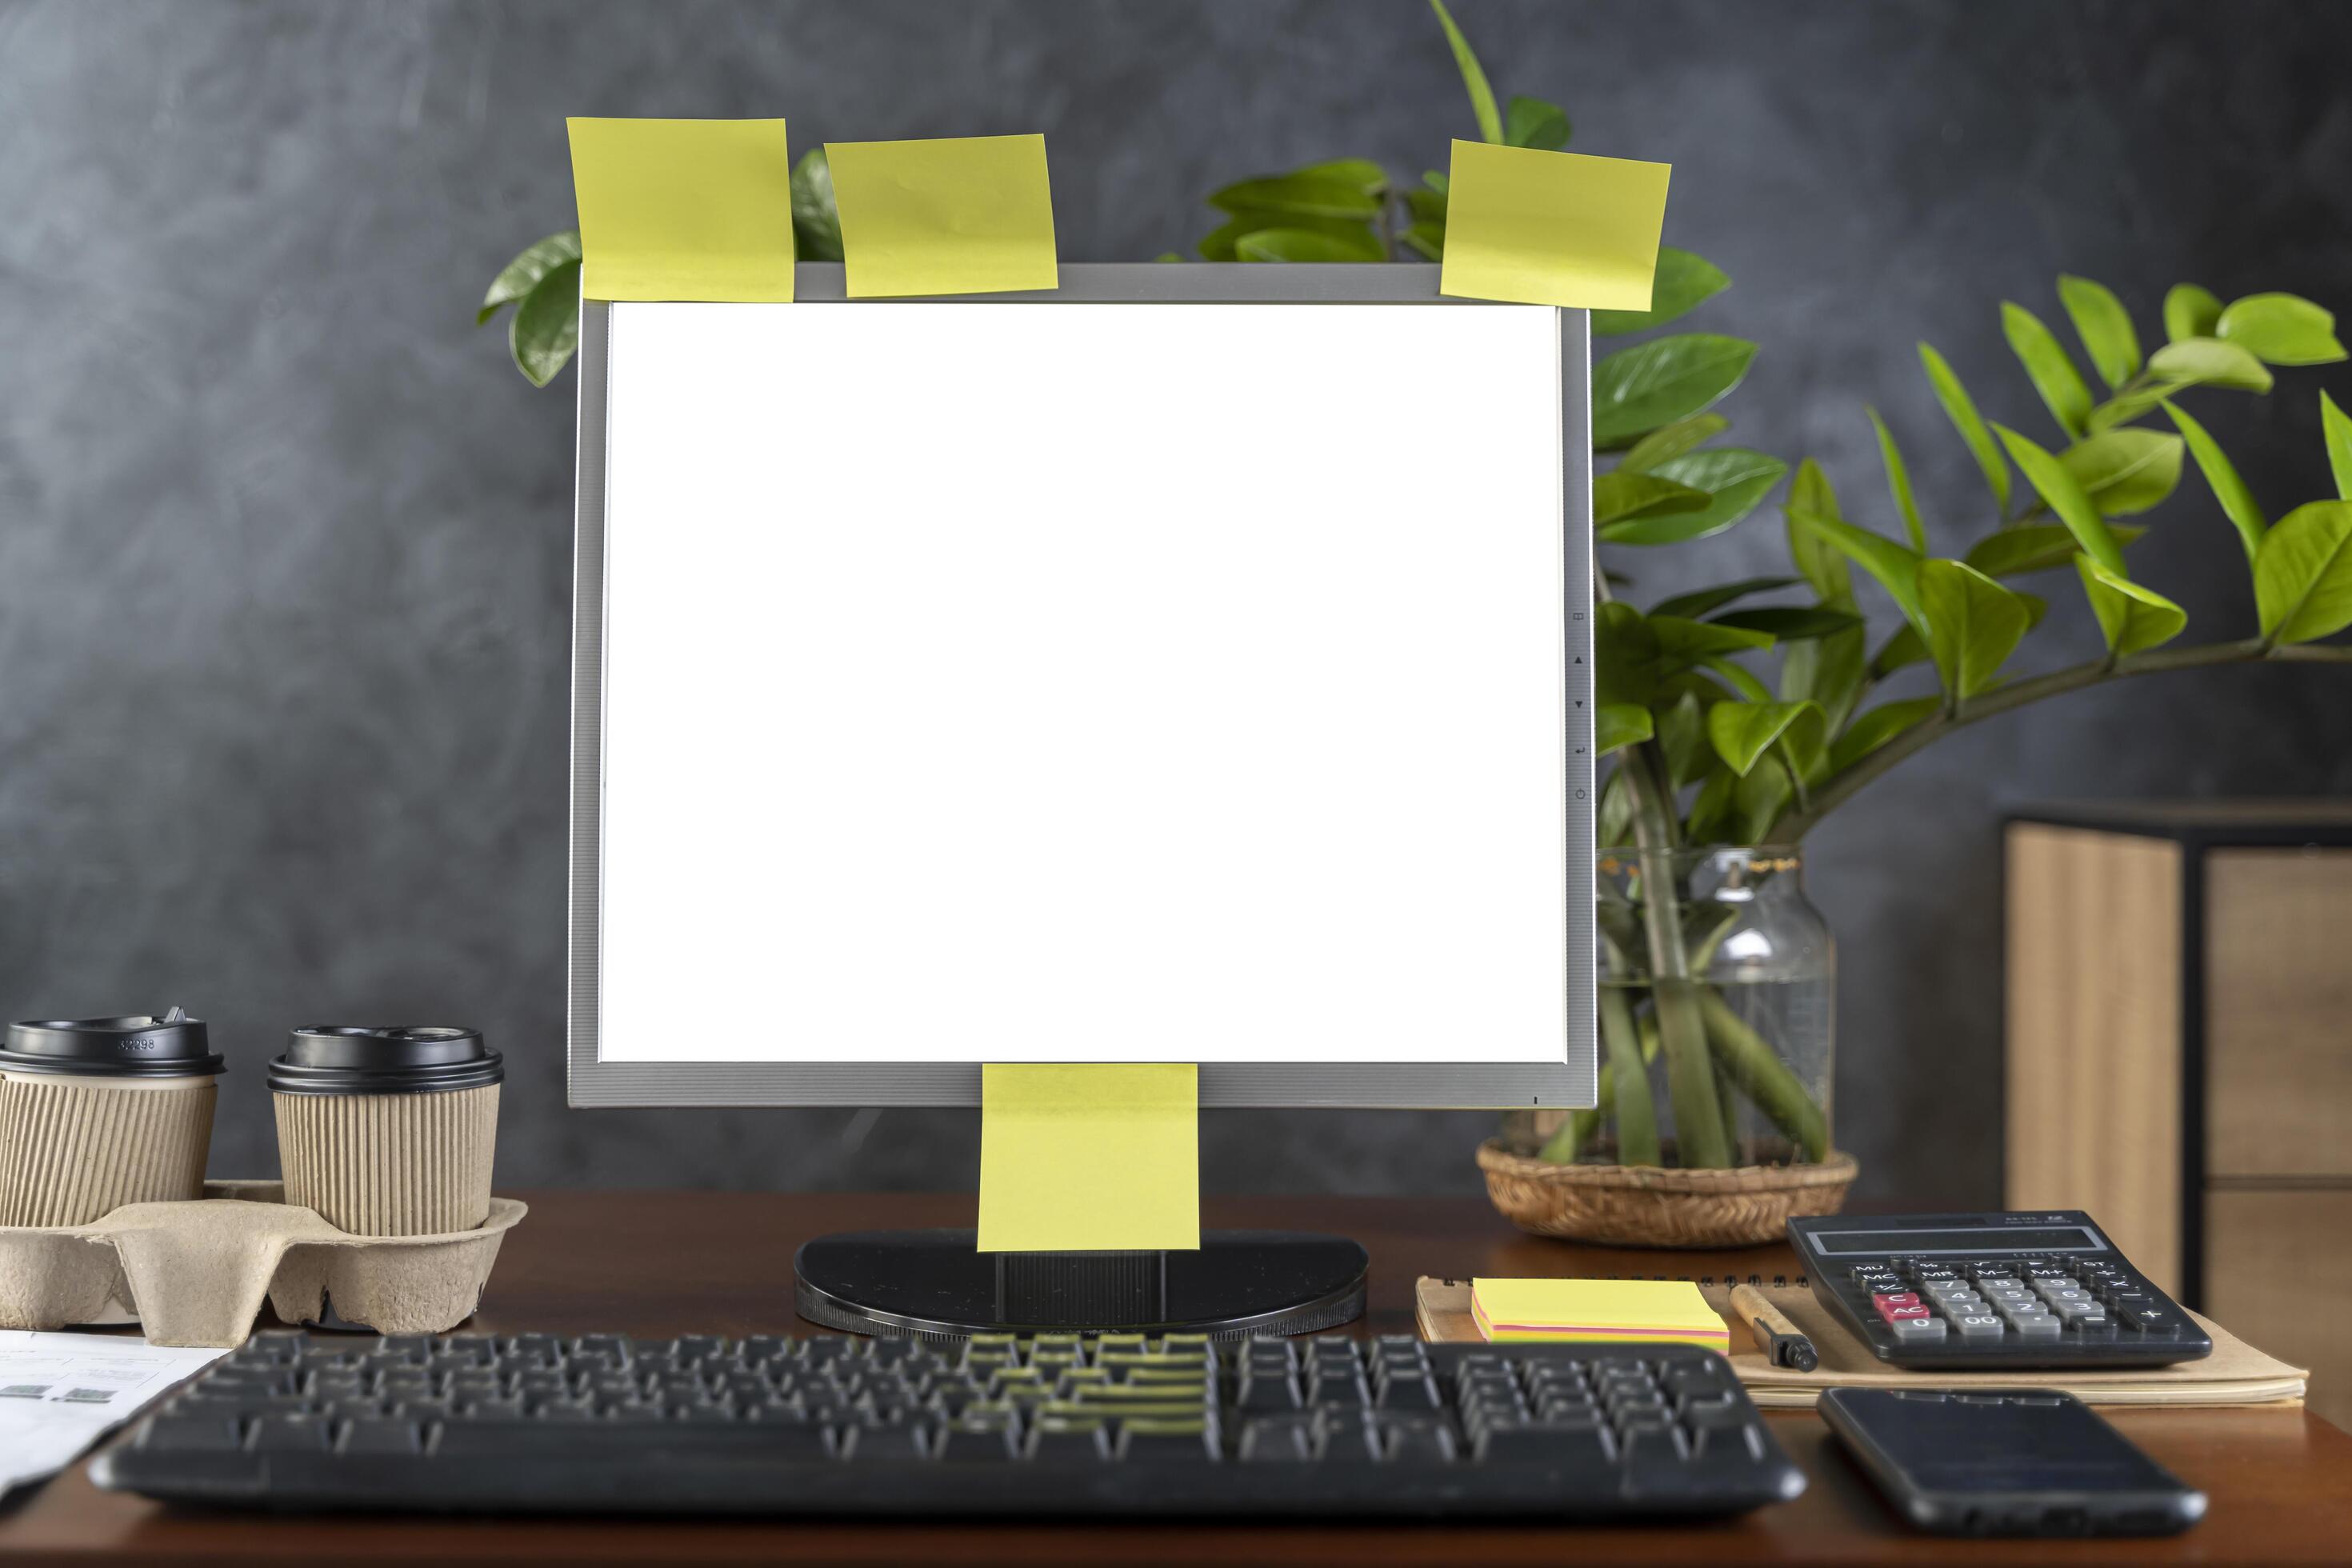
[283, 539]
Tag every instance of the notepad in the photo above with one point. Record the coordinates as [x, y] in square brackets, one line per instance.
[1619, 1311]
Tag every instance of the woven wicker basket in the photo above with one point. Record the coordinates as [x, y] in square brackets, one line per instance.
[1652, 1205]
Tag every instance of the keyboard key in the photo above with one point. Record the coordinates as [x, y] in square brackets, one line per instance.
[882, 1445]
[1977, 1326]
[986, 1444]
[1542, 1444]
[1651, 1445]
[1920, 1329]
[174, 1433]
[1280, 1439]
[290, 1435]
[380, 1437]
[1414, 1440]
[1742, 1440]
[1279, 1392]
[1154, 1440]
[1057, 1442]
[1409, 1393]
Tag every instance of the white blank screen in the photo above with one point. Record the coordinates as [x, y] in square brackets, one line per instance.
[1056, 682]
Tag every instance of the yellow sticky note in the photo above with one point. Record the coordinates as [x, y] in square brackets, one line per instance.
[1552, 228]
[963, 215]
[1084, 1157]
[683, 209]
[1623, 1312]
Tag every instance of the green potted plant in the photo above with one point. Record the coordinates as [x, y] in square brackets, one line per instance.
[1734, 719]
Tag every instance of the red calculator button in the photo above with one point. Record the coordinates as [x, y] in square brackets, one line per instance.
[1882, 1300]
[1894, 1314]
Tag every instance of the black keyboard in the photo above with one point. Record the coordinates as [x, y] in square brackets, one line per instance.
[1993, 1292]
[1065, 1424]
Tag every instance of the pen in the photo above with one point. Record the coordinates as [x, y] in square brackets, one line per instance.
[1782, 1342]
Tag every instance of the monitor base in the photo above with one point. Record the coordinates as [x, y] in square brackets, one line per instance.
[937, 1284]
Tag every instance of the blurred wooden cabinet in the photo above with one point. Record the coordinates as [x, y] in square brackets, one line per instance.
[2180, 1054]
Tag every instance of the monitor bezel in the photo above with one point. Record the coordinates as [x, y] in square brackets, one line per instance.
[1569, 1083]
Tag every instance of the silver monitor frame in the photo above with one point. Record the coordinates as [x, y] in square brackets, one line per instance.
[1402, 1085]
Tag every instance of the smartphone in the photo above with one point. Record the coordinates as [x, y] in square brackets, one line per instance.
[2019, 1462]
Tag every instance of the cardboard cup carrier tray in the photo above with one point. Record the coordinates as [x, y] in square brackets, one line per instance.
[196, 1272]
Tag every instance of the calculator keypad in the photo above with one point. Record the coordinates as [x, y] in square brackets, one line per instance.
[2007, 1303]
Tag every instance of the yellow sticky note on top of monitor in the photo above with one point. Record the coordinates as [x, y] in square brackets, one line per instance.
[962, 215]
[1616, 1311]
[1089, 1157]
[1552, 228]
[683, 209]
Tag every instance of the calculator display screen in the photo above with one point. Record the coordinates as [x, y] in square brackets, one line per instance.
[1986, 1242]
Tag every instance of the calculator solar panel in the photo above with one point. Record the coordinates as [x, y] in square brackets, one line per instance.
[1991, 1290]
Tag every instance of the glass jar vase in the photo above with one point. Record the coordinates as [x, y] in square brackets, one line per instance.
[1717, 979]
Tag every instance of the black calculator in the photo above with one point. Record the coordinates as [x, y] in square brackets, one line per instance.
[1991, 1290]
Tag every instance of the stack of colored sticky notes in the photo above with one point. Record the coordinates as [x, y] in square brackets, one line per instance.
[1620, 1312]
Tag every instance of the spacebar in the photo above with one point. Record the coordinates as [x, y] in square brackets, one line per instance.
[515, 1440]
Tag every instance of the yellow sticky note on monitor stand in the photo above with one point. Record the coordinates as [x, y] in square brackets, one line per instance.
[963, 215]
[1084, 1157]
[1552, 228]
[683, 209]
[1616, 1311]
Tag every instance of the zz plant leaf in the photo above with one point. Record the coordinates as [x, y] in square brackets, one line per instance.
[545, 329]
[1474, 76]
[2132, 618]
[2125, 470]
[1973, 624]
[2104, 327]
[1879, 725]
[1618, 496]
[1706, 601]
[518, 277]
[2238, 503]
[1741, 731]
[1672, 441]
[2190, 312]
[2035, 547]
[1733, 480]
[2303, 574]
[2337, 430]
[1895, 566]
[1898, 482]
[1682, 282]
[2058, 487]
[1637, 390]
[2213, 362]
[1616, 725]
[2281, 329]
[1962, 409]
[2063, 389]
[1531, 123]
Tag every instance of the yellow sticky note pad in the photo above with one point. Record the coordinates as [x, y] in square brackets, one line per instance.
[683, 209]
[965, 215]
[1622, 1312]
[1084, 1157]
[1552, 228]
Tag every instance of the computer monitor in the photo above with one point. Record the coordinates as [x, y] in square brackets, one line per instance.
[1189, 664]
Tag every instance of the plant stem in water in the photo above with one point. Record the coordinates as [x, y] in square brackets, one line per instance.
[1637, 1118]
[1750, 1061]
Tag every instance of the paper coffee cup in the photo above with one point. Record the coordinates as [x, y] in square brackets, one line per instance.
[99, 1113]
[388, 1131]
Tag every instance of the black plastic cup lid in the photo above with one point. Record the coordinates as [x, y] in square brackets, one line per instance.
[173, 1046]
[406, 1058]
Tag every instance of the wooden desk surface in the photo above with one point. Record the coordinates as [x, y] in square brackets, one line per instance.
[667, 1263]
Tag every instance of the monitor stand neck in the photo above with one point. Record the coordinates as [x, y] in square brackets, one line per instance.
[938, 1284]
